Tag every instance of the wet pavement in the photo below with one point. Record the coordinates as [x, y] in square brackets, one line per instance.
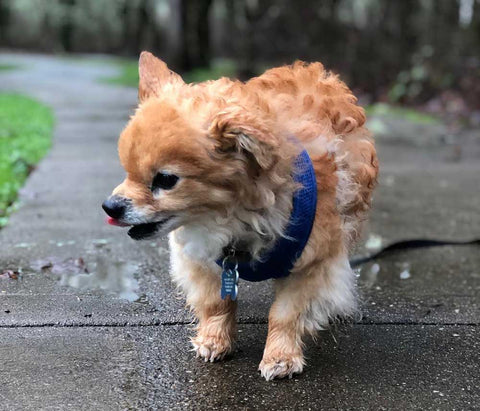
[93, 321]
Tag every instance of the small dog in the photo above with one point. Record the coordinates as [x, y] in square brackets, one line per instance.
[212, 165]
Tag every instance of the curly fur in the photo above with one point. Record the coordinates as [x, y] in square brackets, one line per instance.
[230, 144]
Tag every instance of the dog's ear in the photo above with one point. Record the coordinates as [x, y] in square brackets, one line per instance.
[235, 130]
[154, 75]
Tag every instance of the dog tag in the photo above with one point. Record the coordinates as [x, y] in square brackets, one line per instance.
[229, 283]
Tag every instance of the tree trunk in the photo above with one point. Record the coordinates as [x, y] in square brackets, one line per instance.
[143, 26]
[253, 12]
[66, 30]
[127, 45]
[195, 42]
[4, 19]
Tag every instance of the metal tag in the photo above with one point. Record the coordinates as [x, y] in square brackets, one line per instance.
[229, 280]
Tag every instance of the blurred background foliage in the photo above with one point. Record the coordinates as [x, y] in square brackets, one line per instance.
[424, 53]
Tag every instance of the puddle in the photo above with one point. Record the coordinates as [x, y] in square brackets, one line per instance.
[369, 275]
[116, 277]
[100, 242]
[62, 243]
[374, 242]
[112, 276]
[59, 266]
[24, 245]
[405, 274]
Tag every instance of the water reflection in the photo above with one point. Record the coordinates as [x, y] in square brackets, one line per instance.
[112, 276]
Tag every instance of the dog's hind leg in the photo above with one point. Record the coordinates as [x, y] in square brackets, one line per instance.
[201, 283]
[304, 303]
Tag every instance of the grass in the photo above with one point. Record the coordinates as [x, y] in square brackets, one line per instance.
[25, 137]
[219, 68]
[415, 116]
[6, 67]
[129, 72]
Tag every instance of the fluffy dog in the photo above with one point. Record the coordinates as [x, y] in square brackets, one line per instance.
[211, 164]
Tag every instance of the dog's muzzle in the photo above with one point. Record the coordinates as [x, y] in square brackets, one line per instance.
[115, 206]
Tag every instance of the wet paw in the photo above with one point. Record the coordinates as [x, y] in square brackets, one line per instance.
[281, 366]
[211, 348]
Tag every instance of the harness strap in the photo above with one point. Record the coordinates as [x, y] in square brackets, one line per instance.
[279, 261]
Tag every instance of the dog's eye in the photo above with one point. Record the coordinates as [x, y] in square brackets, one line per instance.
[164, 181]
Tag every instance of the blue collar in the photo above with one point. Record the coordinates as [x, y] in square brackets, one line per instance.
[279, 261]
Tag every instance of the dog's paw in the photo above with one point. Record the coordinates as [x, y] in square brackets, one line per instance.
[281, 366]
[211, 348]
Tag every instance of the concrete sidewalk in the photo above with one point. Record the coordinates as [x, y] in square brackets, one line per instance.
[118, 338]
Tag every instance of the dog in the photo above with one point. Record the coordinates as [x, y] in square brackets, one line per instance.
[213, 166]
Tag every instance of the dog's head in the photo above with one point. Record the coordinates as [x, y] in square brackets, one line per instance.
[191, 151]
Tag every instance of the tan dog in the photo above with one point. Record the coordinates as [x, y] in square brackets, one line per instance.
[211, 164]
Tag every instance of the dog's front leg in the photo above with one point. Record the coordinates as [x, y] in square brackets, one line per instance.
[283, 354]
[201, 283]
[304, 303]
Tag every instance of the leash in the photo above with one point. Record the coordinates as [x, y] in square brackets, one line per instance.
[407, 245]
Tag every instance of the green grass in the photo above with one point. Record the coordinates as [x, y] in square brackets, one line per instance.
[129, 72]
[6, 67]
[219, 68]
[415, 116]
[25, 137]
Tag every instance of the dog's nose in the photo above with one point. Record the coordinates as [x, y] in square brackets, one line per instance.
[115, 206]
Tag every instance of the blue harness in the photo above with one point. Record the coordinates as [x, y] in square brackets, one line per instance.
[279, 261]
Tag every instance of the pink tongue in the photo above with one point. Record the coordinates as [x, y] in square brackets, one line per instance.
[114, 221]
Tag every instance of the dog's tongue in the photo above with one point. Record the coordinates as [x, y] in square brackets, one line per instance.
[114, 221]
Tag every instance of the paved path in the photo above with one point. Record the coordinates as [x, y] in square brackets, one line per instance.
[118, 339]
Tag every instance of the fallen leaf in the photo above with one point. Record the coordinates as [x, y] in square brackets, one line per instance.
[9, 274]
[55, 265]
